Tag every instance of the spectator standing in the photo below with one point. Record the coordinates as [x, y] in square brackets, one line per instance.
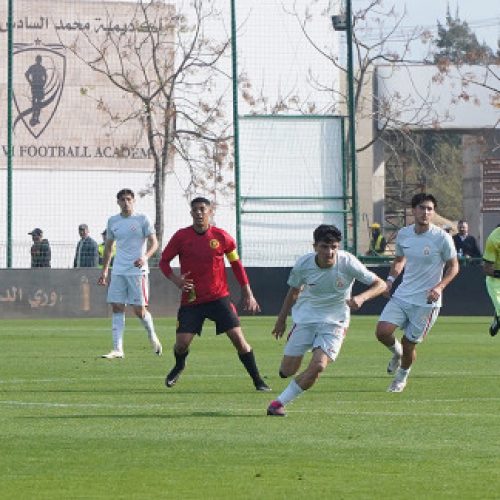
[40, 250]
[465, 244]
[377, 241]
[86, 254]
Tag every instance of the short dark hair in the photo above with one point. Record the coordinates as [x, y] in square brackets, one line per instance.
[125, 191]
[327, 233]
[200, 199]
[421, 197]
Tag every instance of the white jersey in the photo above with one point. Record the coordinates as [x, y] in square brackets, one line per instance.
[325, 290]
[426, 254]
[130, 234]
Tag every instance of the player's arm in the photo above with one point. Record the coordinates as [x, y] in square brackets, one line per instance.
[169, 253]
[288, 302]
[489, 258]
[378, 287]
[152, 246]
[489, 269]
[248, 300]
[397, 266]
[108, 249]
[451, 270]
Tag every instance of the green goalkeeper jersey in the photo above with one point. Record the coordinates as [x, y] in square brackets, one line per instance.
[492, 248]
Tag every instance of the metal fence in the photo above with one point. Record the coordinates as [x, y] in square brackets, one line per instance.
[70, 152]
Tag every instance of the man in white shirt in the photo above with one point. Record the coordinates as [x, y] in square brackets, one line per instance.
[135, 243]
[422, 250]
[320, 301]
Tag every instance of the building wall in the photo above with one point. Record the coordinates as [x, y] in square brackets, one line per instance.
[478, 147]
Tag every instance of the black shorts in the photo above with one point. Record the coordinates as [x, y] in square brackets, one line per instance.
[190, 319]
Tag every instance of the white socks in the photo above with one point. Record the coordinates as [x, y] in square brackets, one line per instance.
[396, 348]
[147, 322]
[117, 327]
[402, 374]
[290, 393]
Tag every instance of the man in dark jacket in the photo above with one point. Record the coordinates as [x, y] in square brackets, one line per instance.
[40, 250]
[465, 244]
[86, 254]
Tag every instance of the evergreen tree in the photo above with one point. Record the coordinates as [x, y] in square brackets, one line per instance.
[457, 44]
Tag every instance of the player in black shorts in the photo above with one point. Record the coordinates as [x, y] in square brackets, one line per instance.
[205, 293]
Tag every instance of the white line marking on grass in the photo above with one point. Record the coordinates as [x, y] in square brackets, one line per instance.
[83, 405]
[106, 379]
[187, 407]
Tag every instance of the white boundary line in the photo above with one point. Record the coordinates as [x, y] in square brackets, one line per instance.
[183, 408]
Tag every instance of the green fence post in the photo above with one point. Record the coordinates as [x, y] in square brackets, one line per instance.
[10, 47]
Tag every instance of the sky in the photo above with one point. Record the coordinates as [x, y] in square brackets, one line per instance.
[483, 16]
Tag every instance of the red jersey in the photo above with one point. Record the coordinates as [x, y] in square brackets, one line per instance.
[202, 256]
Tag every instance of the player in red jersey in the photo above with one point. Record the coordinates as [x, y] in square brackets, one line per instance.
[205, 294]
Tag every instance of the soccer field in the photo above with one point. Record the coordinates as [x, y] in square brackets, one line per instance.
[73, 425]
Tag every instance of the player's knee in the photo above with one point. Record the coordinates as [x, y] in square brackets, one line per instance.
[283, 375]
[382, 335]
[318, 368]
[181, 348]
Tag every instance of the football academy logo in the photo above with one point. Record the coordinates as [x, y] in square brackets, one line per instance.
[37, 97]
[427, 251]
[214, 244]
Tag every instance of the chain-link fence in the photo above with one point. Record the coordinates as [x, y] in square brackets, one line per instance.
[79, 126]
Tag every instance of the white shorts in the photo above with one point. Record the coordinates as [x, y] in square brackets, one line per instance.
[415, 321]
[129, 289]
[310, 336]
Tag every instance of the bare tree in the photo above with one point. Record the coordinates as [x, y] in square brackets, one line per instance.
[374, 31]
[171, 69]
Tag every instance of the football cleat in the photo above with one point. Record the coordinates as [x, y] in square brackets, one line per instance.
[394, 363]
[262, 386]
[172, 378]
[114, 355]
[276, 409]
[156, 345]
[397, 386]
[495, 326]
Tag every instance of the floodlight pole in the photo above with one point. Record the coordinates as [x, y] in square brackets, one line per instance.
[10, 66]
[344, 23]
[352, 128]
[236, 127]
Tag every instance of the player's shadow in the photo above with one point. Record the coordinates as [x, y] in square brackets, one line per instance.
[183, 415]
[161, 391]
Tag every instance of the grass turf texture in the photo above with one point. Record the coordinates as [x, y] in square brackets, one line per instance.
[73, 425]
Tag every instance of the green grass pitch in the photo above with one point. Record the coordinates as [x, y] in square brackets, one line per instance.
[73, 425]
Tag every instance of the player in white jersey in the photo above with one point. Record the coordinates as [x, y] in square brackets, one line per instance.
[320, 301]
[423, 250]
[135, 243]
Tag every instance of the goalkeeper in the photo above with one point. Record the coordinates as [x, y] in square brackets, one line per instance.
[491, 266]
